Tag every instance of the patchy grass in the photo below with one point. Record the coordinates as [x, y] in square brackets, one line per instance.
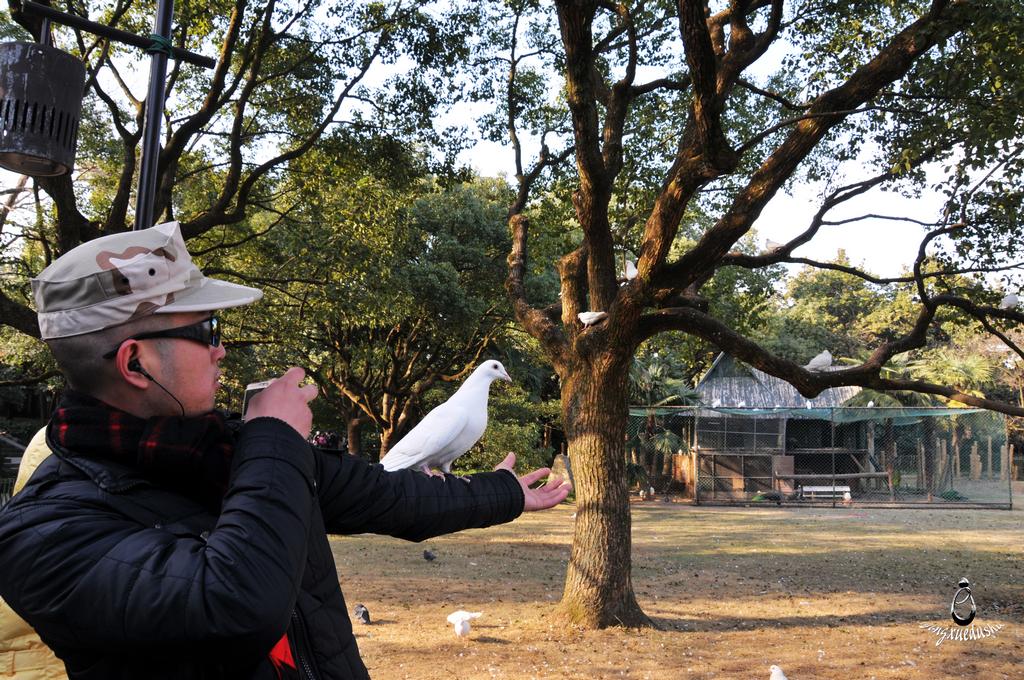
[824, 593]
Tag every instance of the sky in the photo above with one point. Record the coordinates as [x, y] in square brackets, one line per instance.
[883, 247]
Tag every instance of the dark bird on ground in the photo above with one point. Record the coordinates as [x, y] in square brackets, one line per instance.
[362, 614]
[429, 555]
[768, 496]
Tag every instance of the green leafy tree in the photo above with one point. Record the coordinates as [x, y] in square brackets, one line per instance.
[286, 75]
[385, 288]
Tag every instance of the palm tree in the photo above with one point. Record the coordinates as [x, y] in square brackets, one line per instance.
[970, 371]
[654, 383]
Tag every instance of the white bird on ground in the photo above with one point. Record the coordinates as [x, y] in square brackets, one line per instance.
[772, 246]
[591, 318]
[1009, 302]
[460, 619]
[847, 498]
[777, 673]
[631, 271]
[820, 362]
[871, 403]
[450, 429]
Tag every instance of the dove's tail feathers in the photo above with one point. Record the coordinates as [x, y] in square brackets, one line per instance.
[461, 615]
[397, 459]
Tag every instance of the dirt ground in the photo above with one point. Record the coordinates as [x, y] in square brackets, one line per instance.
[823, 593]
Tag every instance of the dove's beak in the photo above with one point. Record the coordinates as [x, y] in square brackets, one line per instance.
[505, 376]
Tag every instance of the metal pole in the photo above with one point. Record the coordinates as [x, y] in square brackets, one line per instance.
[146, 198]
[695, 458]
[1008, 460]
[102, 30]
[832, 439]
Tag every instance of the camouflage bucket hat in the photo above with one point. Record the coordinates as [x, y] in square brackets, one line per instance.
[114, 279]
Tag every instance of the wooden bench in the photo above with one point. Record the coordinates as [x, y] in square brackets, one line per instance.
[828, 491]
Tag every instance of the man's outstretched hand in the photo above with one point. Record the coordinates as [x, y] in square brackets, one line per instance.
[543, 497]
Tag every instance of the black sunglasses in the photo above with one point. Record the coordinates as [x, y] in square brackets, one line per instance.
[206, 331]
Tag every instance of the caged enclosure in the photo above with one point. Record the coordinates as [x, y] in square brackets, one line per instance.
[755, 439]
[954, 457]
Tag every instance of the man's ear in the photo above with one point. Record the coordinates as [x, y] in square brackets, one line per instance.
[129, 367]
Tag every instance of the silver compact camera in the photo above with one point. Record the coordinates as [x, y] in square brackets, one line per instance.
[251, 390]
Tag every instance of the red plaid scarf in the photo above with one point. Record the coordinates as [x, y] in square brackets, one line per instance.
[191, 456]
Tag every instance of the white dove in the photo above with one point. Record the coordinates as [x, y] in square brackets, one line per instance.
[450, 429]
[820, 362]
[777, 673]
[460, 620]
[591, 318]
[1009, 302]
[772, 246]
[631, 271]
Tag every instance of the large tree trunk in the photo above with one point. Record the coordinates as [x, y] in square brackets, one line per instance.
[354, 434]
[598, 585]
[388, 438]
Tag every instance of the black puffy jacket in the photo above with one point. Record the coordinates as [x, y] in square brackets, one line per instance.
[123, 579]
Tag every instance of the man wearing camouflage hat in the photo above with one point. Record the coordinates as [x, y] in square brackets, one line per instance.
[164, 540]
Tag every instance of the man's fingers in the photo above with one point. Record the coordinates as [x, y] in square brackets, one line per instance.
[508, 463]
[532, 477]
[546, 496]
[309, 392]
[293, 375]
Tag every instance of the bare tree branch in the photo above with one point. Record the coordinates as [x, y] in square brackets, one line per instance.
[891, 63]
[812, 383]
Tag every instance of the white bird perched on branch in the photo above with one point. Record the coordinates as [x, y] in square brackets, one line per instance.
[631, 271]
[777, 673]
[460, 619]
[1009, 302]
[450, 429]
[771, 246]
[820, 362]
[591, 318]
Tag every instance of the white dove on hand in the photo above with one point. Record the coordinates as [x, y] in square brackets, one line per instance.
[460, 619]
[450, 429]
